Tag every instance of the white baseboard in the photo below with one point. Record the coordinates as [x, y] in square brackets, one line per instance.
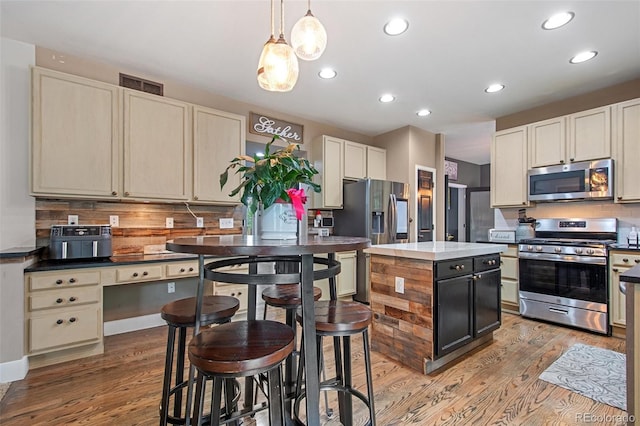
[14, 370]
[132, 324]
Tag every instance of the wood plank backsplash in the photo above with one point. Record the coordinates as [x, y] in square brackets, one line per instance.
[142, 225]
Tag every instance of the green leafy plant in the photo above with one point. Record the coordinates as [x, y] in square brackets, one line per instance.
[265, 180]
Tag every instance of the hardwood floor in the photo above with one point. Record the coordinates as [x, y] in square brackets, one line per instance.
[496, 385]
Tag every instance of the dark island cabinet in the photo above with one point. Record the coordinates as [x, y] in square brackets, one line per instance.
[467, 293]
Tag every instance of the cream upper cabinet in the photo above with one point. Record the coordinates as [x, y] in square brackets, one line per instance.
[75, 136]
[157, 147]
[218, 137]
[328, 159]
[547, 142]
[376, 163]
[627, 151]
[355, 160]
[589, 134]
[509, 168]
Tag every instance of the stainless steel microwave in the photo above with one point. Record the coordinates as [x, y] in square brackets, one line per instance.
[588, 180]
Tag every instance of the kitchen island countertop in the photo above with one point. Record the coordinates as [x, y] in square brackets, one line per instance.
[436, 250]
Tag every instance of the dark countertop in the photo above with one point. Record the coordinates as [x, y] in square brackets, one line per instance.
[53, 265]
[16, 252]
[632, 275]
[623, 247]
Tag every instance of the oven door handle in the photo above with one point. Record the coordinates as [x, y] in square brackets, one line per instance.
[563, 258]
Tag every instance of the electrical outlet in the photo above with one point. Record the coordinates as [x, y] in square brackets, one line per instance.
[400, 285]
[200, 222]
[114, 221]
[226, 223]
[72, 219]
[171, 287]
[168, 222]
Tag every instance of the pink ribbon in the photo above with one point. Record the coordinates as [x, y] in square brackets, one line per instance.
[298, 199]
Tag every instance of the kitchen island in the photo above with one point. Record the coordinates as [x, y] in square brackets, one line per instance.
[433, 301]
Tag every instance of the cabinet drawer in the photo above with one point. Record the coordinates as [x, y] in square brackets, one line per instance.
[510, 268]
[239, 291]
[486, 263]
[63, 279]
[454, 268]
[139, 273]
[509, 291]
[64, 298]
[512, 251]
[64, 327]
[185, 269]
[625, 259]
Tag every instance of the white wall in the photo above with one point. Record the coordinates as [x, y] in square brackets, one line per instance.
[17, 208]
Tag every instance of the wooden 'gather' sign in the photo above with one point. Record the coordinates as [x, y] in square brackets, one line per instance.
[266, 126]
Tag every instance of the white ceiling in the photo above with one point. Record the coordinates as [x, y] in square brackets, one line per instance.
[451, 52]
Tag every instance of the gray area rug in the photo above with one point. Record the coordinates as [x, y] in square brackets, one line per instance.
[599, 374]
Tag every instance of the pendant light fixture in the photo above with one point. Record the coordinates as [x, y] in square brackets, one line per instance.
[308, 36]
[278, 65]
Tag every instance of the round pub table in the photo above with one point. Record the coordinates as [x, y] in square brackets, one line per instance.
[304, 247]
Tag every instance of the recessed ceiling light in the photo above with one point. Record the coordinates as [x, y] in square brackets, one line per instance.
[327, 73]
[396, 26]
[583, 56]
[387, 98]
[557, 20]
[423, 113]
[494, 88]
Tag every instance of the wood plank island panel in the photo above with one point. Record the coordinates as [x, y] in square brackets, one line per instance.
[141, 225]
[402, 326]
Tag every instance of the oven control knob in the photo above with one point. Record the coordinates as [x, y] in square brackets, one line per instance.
[557, 249]
[538, 248]
[589, 251]
[578, 251]
[530, 248]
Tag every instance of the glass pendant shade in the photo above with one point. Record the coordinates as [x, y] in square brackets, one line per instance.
[278, 67]
[308, 37]
[266, 57]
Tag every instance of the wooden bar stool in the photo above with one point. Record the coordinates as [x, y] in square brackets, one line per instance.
[336, 318]
[180, 315]
[240, 349]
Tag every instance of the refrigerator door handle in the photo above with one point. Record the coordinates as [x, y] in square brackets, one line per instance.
[393, 218]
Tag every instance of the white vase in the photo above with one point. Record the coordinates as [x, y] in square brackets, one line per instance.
[279, 222]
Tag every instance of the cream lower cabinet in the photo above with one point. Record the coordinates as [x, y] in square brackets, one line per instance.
[63, 310]
[509, 168]
[345, 280]
[218, 137]
[239, 291]
[627, 151]
[157, 147]
[620, 262]
[509, 281]
[75, 136]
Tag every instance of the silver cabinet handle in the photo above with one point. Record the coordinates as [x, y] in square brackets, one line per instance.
[64, 249]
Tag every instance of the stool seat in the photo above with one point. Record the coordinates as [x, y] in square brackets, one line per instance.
[336, 316]
[241, 348]
[214, 309]
[287, 295]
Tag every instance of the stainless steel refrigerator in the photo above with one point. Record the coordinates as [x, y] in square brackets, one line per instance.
[378, 210]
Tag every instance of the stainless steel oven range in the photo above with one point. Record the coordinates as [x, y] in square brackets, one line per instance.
[563, 272]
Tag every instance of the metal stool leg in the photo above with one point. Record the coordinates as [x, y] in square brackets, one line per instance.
[168, 365]
[367, 365]
[276, 400]
[182, 342]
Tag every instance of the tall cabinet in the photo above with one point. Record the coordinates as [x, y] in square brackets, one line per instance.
[627, 151]
[75, 136]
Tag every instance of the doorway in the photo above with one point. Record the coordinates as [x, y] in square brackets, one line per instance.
[455, 212]
[425, 200]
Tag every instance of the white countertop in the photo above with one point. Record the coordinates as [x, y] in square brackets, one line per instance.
[436, 250]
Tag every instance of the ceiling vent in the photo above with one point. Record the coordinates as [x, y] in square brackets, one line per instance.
[137, 83]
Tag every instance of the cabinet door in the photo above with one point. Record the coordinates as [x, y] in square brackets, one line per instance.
[346, 280]
[75, 137]
[627, 153]
[590, 134]
[355, 160]
[454, 313]
[618, 315]
[547, 142]
[157, 147]
[376, 163]
[487, 309]
[218, 137]
[332, 172]
[509, 168]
